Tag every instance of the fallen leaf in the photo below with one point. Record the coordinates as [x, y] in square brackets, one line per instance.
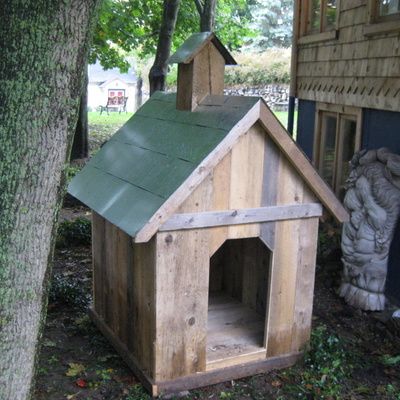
[309, 386]
[276, 383]
[81, 382]
[74, 369]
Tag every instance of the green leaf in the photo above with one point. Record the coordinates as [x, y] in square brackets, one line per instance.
[75, 369]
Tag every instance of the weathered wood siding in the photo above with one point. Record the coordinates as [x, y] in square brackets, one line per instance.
[254, 174]
[357, 69]
[123, 282]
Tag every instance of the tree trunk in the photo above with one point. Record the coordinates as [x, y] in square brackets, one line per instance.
[44, 46]
[207, 17]
[80, 144]
[158, 71]
[139, 94]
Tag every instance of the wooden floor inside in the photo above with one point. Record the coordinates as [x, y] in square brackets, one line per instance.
[235, 333]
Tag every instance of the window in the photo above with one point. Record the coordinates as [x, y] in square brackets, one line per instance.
[336, 140]
[116, 96]
[383, 17]
[387, 9]
[318, 16]
[321, 16]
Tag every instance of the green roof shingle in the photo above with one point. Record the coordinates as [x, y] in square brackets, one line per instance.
[147, 160]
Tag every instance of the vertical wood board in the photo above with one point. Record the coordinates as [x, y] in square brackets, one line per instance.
[181, 303]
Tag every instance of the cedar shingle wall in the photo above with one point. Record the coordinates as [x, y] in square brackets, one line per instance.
[355, 69]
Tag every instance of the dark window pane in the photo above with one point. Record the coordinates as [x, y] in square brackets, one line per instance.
[388, 7]
[329, 148]
[330, 15]
[315, 15]
[348, 134]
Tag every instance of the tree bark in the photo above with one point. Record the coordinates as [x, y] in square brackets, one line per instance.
[80, 144]
[158, 71]
[44, 46]
[207, 17]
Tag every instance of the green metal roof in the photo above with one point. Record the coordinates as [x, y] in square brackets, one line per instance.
[146, 160]
[193, 45]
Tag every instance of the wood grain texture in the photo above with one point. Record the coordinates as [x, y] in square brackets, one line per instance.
[181, 303]
[270, 184]
[241, 216]
[305, 284]
[123, 286]
[98, 258]
[142, 305]
[282, 284]
[201, 77]
[246, 177]
[285, 272]
[222, 375]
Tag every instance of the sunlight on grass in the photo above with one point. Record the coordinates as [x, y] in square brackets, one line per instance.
[113, 118]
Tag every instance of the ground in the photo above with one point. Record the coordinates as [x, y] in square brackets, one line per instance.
[353, 355]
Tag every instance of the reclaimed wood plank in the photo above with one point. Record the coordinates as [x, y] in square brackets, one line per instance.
[241, 216]
[305, 286]
[181, 303]
[98, 257]
[143, 306]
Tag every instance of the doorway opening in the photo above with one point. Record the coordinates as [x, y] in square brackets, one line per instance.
[237, 303]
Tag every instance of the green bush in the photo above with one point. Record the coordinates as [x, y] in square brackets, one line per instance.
[74, 233]
[258, 69]
[253, 69]
[66, 290]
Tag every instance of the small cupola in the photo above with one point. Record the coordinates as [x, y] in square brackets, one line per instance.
[201, 65]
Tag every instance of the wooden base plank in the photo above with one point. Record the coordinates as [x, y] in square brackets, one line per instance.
[225, 374]
[197, 380]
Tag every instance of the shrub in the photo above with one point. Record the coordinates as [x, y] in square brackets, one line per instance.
[66, 290]
[271, 66]
[74, 233]
[253, 69]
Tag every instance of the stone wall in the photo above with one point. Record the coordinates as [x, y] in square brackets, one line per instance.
[276, 96]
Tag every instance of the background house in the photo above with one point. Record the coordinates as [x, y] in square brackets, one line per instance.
[110, 83]
[346, 76]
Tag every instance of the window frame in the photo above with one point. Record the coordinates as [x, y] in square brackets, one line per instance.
[307, 36]
[341, 113]
[377, 24]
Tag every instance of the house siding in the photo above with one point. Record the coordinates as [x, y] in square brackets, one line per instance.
[356, 69]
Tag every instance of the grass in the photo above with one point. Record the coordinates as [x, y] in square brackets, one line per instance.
[283, 118]
[102, 127]
[113, 118]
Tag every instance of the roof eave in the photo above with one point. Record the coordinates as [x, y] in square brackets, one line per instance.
[209, 37]
[302, 164]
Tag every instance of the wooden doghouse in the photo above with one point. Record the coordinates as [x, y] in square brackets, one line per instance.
[205, 218]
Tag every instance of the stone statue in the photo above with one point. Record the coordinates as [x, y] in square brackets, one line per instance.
[373, 201]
